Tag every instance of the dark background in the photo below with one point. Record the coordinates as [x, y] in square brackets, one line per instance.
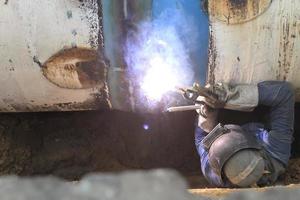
[72, 144]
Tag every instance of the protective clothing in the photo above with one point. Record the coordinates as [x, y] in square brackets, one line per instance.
[274, 137]
[207, 116]
[245, 168]
[223, 146]
[245, 100]
[242, 97]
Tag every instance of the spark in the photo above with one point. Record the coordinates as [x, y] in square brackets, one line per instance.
[146, 127]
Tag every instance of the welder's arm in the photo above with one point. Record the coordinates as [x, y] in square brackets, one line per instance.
[207, 119]
[206, 122]
[279, 96]
[207, 171]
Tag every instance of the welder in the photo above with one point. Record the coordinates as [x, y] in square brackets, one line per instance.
[253, 154]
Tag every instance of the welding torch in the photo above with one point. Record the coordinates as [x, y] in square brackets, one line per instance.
[192, 94]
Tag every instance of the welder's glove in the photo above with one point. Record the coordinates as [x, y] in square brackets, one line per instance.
[242, 97]
[207, 116]
[220, 94]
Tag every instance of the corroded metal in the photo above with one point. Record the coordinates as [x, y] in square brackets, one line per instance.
[52, 56]
[59, 62]
[237, 11]
[266, 48]
[75, 68]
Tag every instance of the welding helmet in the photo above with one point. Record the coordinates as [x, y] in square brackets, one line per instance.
[234, 155]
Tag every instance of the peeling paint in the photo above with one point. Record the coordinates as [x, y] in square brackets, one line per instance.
[100, 24]
[75, 68]
[48, 28]
[37, 61]
[74, 32]
[212, 55]
[287, 44]
[237, 11]
[268, 47]
[69, 14]
[91, 8]
[68, 106]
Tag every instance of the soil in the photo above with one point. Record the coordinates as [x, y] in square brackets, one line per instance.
[292, 175]
[72, 144]
[218, 193]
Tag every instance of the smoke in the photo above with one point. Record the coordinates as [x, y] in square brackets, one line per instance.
[157, 54]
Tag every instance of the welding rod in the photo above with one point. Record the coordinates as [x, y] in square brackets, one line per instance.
[183, 108]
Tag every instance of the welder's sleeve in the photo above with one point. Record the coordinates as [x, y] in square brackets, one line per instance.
[207, 119]
[279, 96]
[207, 171]
[246, 98]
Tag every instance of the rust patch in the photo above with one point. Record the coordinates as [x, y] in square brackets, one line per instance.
[91, 10]
[90, 104]
[69, 14]
[98, 100]
[37, 61]
[75, 68]
[237, 11]
[286, 49]
[212, 57]
[238, 3]
[100, 22]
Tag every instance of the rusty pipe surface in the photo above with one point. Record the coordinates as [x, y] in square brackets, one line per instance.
[263, 48]
[70, 54]
[52, 56]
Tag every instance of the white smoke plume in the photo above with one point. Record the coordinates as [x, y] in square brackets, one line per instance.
[158, 57]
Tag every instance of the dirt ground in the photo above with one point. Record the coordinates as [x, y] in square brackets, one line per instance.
[217, 193]
[292, 176]
[72, 144]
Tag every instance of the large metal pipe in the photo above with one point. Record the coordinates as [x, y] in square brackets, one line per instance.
[254, 47]
[51, 56]
[68, 55]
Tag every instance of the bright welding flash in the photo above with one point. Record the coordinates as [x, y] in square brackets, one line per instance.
[159, 79]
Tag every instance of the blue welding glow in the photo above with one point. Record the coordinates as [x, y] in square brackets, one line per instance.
[146, 127]
[199, 43]
[158, 54]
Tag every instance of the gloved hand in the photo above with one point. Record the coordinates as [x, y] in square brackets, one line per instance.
[207, 116]
[222, 92]
[241, 97]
